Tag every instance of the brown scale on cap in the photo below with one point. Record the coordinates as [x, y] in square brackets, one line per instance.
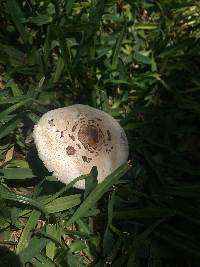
[62, 131]
[74, 127]
[51, 123]
[78, 146]
[90, 136]
[72, 137]
[109, 135]
[85, 159]
[70, 150]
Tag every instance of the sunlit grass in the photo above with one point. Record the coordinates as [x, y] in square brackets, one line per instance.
[138, 61]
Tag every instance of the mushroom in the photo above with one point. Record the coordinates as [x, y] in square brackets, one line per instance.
[73, 139]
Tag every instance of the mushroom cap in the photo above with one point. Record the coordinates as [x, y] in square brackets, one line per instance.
[73, 139]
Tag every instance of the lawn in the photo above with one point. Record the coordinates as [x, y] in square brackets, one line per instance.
[137, 60]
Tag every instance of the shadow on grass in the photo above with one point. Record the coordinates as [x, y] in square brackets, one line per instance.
[8, 258]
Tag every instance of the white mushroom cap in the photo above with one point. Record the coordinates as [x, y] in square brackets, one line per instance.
[71, 140]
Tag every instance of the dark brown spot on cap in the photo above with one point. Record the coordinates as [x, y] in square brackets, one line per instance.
[78, 146]
[89, 135]
[50, 122]
[84, 158]
[70, 150]
[72, 137]
[109, 135]
[74, 127]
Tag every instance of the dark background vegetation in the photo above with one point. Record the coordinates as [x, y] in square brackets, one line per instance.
[138, 61]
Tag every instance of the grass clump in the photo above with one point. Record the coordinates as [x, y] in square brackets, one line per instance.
[138, 61]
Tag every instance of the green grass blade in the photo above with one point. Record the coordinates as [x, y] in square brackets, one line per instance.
[9, 127]
[41, 261]
[55, 232]
[34, 248]
[64, 189]
[98, 192]
[13, 108]
[68, 6]
[64, 51]
[17, 15]
[17, 173]
[8, 195]
[118, 47]
[108, 239]
[27, 231]
[63, 203]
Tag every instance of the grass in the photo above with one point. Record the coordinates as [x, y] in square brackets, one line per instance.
[138, 61]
